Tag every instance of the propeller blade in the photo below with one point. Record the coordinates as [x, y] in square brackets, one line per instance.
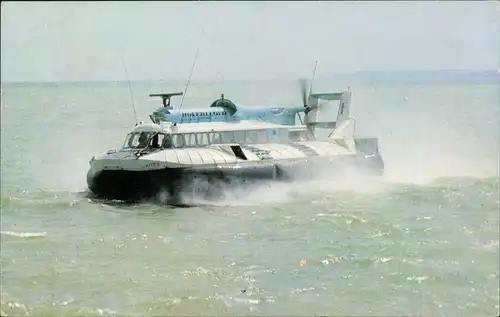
[303, 90]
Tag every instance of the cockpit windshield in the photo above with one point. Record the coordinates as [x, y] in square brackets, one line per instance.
[140, 140]
[137, 140]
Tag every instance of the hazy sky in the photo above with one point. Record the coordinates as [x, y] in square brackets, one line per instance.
[53, 41]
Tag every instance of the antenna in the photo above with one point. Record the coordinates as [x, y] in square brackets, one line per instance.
[312, 80]
[192, 69]
[129, 89]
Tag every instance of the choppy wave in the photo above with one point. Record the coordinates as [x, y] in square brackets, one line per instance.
[24, 234]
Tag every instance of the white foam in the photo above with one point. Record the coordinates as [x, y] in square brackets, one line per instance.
[24, 234]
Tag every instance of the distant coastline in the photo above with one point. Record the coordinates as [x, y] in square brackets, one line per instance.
[421, 77]
[443, 77]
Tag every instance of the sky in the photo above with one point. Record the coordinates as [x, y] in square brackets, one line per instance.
[83, 41]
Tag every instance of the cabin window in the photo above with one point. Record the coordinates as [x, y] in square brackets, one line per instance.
[167, 142]
[216, 138]
[228, 137]
[257, 136]
[189, 139]
[156, 141]
[239, 136]
[225, 137]
[202, 139]
[178, 140]
[297, 136]
[278, 135]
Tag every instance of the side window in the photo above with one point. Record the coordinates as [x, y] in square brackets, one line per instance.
[304, 136]
[167, 141]
[228, 137]
[258, 136]
[299, 136]
[202, 139]
[190, 139]
[250, 137]
[239, 136]
[157, 140]
[294, 135]
[261, 136]
[282, 135]
[278, 135]
[178, 140]
[216, 138]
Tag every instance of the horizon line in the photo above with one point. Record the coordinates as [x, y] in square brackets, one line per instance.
[463, 71]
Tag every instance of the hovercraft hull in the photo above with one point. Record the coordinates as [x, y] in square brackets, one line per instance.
[211, 181]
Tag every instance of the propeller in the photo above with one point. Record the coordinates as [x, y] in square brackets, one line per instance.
[303, 89]
[305, 94]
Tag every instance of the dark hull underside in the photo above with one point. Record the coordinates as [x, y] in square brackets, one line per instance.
[175, 184]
